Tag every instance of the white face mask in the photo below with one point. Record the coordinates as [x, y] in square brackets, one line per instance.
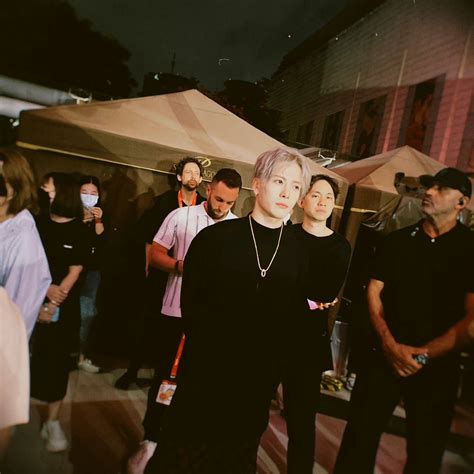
[89, 200]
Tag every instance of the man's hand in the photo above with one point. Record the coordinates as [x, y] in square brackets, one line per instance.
[401, 359]
[56, 294]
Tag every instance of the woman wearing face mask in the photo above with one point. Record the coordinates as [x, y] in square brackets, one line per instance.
[64, 239]
[90, 197]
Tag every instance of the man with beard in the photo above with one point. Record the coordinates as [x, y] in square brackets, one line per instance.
[176, 234]
[242, 282]
[421, 304]
[189, 175]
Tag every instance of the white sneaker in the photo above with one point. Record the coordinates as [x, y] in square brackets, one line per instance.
[87, 366]
[137, 462]
[54, 436]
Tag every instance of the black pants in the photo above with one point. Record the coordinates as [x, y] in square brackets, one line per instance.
[146, 324]
[201, 457]
[306, 356]
[301, 399]
[429, 398]
[168, 335]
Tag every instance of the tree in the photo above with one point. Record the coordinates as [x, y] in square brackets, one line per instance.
[43, 41]
[248, 100]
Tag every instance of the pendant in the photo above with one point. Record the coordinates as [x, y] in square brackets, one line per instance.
[263, 272]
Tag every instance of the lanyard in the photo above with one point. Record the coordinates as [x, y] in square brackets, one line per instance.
[180, 199]
[174, 369]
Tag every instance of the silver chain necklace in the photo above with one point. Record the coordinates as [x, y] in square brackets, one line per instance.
[263, 271]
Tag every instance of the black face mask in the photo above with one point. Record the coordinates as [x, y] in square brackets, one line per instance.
[3, 186]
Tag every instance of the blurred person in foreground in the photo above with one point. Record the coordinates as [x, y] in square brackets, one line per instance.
[421, 304]
[24, 271]
[14, 373]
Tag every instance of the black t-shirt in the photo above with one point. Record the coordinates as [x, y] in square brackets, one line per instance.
[328, 262]
[238, 327]
[95, 243]
[65, 244]
[425, 281]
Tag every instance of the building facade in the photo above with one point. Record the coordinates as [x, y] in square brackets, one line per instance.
[382, 75]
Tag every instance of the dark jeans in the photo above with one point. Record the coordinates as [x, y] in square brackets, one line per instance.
[429, 398]
[88, 301]
[168, 335]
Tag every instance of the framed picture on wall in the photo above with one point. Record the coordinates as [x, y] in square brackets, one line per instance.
[332, 130]
[368, 127]
[421, 112]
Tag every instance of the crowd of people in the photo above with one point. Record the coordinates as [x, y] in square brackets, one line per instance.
[237, 306]
[49, 269]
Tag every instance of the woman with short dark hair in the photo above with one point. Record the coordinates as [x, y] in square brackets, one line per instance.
[63, 236]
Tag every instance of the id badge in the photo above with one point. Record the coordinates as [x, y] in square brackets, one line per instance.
[166, 392]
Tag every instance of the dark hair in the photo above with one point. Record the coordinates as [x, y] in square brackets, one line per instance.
[229, 177]
[67, 201]
[324, 177]
[16, 171]
[89, 179]
[189, 159]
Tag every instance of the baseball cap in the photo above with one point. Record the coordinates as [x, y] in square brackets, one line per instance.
[449, 178]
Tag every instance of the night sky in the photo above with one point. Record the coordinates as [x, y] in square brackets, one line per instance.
[249, 37]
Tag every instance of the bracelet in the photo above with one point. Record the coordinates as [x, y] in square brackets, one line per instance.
[176, 266]
[98, 221]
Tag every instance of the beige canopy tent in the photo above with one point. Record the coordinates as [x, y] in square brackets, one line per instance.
[374, 196]
[148, 134]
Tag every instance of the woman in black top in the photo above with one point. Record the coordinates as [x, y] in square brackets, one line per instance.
[63, 237]
[90, 197]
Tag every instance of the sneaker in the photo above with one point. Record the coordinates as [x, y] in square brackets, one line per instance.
[124, 381]
[54, 436]
[87, 366]
[137, 462]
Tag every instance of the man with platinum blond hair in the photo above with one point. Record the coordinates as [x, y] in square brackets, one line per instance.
[243, 280]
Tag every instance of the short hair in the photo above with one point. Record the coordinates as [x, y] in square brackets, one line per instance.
[330, 180]
[67, 200]
[189, 159]
[267, 161]
[229, 177]
[17, 172]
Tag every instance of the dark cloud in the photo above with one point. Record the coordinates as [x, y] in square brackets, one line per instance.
[252, 34]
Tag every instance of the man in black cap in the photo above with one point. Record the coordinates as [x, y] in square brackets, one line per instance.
[421, 302]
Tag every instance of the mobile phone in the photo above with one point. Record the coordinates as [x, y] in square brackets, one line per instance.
[55, 316]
